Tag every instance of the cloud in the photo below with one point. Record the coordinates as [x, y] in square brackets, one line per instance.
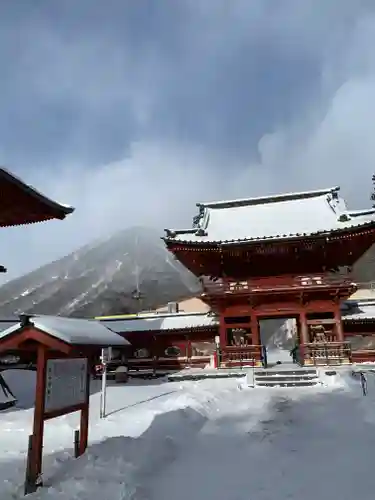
[134, 112]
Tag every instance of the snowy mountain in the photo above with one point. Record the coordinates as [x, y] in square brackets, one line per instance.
[129, 271]
[278, 333]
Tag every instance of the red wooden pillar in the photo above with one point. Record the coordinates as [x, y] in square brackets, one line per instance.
[304, 335]
[255, 334]
[38, 427]
[84, 421]
[222, 330]
[255, 330]
[188, 350]
[338, 324]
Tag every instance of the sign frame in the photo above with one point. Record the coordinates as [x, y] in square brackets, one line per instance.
[57, 382]
[43, 413]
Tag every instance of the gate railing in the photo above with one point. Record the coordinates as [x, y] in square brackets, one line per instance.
[241, 355]
[327, 353]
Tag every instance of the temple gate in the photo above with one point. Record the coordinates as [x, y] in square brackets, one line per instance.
[287, 255]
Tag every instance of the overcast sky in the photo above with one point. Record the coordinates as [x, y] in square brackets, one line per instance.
[133, 110]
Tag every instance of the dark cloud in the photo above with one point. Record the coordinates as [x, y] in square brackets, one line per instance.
[132, 111]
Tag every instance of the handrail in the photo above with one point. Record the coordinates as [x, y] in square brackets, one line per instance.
[274, 283]
[240, 354]
[327, 351]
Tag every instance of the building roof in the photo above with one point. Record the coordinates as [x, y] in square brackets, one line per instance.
[190, 305]
[358, 310]
[69, 330]
[6, 323]
[284, 216]
[23, 204]
[159, 322]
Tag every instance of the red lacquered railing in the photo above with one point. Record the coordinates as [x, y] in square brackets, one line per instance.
[240, 354]
[327, 353]
[253, 285]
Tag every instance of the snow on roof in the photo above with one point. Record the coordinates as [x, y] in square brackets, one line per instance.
[358, 310]
[273, 217]
[71, 330]
[6, 323]
[158, 321]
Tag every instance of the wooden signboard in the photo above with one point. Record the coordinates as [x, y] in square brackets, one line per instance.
[66, 384]
[63, 386]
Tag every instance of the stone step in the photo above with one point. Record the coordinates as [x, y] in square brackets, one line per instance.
[295, 383]
[302, 371]
[284, 378]
[289, 377]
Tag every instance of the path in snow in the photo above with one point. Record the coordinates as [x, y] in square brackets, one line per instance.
[315, 447]
[205, 440]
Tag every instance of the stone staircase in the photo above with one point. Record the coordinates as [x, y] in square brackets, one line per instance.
[291, 376]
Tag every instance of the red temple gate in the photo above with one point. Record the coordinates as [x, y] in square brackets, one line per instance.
[280, 256]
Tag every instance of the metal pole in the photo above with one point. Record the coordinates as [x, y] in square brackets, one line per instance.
[76, 443]
[103, 395]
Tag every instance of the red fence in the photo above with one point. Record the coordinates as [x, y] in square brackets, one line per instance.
[240, 355]
[332, 353]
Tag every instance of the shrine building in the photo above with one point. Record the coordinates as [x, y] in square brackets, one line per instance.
[282, 256]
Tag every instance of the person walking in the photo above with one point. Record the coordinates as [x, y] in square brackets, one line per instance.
[294, 353]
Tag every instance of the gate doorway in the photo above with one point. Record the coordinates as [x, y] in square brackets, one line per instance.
[278, 337]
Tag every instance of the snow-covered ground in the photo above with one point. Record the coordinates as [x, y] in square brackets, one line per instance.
[206, 440]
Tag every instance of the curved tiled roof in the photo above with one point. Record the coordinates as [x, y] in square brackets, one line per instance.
[358, 310]
[72, 331]
[47, 208]
[159, 322]
[284, 216]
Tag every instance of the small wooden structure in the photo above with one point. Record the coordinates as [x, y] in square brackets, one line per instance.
[166, 341]
[65, 350]
[358, 318]
[281, 256]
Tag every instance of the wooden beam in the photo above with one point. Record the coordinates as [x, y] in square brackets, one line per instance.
[325, 321]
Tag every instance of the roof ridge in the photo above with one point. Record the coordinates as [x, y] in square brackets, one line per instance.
[358, 213]
[269, 199]
[152, 315]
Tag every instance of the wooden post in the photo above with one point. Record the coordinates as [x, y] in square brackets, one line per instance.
[255, 337]
[188, 350]
[84, 421]
[339, 329]
[255, 330]
[304, 335]
[304, 328]
[222, 330]
[38, 428]
[30, 483]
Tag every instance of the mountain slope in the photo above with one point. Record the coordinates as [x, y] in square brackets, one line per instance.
[102, 278]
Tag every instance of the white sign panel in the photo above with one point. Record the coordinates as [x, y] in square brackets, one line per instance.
[66, 383]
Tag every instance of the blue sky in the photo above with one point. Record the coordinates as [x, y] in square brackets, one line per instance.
[134, 110]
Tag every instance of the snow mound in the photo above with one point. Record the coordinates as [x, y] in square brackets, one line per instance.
[119, 466]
